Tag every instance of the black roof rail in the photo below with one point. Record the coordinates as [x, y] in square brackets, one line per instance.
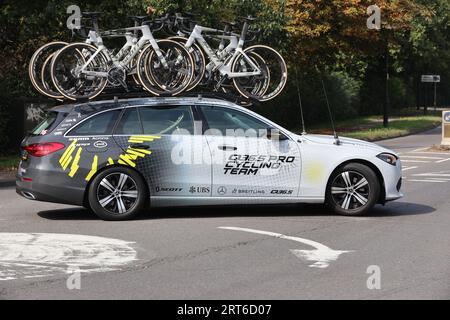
[114, 95]
[234, 98]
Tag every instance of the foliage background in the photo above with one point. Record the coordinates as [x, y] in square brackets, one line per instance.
[320, 39]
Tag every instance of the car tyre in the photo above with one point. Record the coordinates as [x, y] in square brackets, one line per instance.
[117, 193]
[353, 190]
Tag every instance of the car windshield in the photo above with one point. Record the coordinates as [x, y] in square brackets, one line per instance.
[42, 127]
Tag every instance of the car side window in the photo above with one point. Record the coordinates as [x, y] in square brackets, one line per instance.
[129, 123]
[101, 124]
[224, 119]
[166, 119]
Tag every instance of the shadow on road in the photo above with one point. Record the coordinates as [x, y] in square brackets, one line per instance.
[290, 210]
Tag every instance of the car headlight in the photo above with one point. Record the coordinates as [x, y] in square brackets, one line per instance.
[388, 158]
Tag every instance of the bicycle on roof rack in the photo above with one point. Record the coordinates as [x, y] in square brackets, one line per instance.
[82, 70]
[257, 72]
[185, 61]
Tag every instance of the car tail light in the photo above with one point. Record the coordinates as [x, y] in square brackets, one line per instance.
[43, 149]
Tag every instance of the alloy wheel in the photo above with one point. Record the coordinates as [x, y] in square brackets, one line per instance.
[117, 193]
[350, 190]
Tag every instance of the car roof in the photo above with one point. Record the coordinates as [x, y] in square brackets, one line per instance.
[95, 106]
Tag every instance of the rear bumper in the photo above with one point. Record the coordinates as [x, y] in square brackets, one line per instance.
[36, 190]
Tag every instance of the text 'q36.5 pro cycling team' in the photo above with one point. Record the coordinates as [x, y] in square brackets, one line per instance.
[189, 56]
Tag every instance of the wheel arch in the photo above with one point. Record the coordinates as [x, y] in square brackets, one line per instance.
[382, 197]
[88, 185]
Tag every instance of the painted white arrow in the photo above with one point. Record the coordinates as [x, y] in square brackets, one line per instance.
[321, 255]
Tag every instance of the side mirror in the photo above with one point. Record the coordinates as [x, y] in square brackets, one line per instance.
[275, 134]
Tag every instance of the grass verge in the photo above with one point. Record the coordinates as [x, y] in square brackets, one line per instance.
[9, 163]
[371, 128]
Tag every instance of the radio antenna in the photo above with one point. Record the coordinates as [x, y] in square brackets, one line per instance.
[336, 138]
[300, 102]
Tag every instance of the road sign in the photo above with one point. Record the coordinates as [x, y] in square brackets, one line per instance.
[431, 78]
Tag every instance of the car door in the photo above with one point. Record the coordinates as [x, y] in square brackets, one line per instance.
[160, 142]
[247, 160]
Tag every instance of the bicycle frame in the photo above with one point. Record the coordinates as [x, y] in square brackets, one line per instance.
[132, 46]
[223, 67]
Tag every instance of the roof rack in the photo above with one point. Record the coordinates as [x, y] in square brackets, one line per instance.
[234, 98]
[115, 96]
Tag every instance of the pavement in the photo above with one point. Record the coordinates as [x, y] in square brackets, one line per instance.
[399, 251]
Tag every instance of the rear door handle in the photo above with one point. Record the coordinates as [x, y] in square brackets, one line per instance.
[140, 146]
[227, 148]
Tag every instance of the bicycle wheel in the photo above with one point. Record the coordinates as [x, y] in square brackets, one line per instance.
[276, 77]
[199, 62]
[170, 70]
[37, 61]
[76, 75]
[256, 85]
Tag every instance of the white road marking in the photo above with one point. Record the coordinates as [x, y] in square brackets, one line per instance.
[431, 152]
[408, 168]
[321, 255]
[26, 255]
[443, 160]
[432, 174]
[421, 161]
[417, 180]
[422, 157]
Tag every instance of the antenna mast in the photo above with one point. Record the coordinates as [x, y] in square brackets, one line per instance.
[336, 138]
[300, 102]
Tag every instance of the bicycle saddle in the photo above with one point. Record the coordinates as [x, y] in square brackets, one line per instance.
[138, 19]
[248, 18]
[231, 24]
[92, 15]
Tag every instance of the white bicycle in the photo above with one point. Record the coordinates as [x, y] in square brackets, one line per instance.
[257, 72]
[82, 70]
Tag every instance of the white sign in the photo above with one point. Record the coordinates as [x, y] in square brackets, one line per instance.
[431, 78]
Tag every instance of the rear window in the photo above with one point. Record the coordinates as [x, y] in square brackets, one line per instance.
[42, 128]
[101, 124]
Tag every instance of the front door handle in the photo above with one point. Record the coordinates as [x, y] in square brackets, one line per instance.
[140, 146]
[227, 148]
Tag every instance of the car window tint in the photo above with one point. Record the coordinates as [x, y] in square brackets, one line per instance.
[100, 124]
[222, 119]
[42, 127]
[129, 123]
[166, 120]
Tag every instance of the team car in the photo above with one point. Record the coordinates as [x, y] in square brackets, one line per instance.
[119, 157]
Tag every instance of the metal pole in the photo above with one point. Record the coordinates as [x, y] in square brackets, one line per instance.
[386, 104]
[434, 96]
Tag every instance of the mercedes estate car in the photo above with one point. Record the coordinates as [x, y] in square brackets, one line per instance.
[120, 157]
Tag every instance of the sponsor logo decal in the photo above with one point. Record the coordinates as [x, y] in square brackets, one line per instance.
[193, 189]
[221, 190]
[100, 144]
[248, 191]
[282, 191]
[166, 189]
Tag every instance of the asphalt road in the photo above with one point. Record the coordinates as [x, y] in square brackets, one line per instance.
[182, 254]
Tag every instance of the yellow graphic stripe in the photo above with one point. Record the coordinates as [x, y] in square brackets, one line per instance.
[136, 153]
[93, 168]
[127, 159]
[141, 139]
[110, 161]
[139, 151]
[75, 166]
[67, 155]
